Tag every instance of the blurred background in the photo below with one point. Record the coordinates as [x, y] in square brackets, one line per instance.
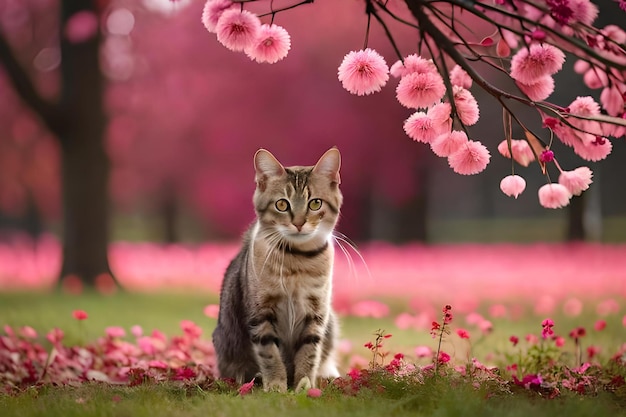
[178, 118]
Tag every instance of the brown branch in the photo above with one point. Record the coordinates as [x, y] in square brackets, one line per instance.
[24, 87]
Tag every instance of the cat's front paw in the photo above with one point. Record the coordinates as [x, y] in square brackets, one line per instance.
[304, 384]
[276, 385]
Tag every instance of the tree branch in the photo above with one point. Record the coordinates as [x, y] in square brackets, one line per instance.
[24, 87]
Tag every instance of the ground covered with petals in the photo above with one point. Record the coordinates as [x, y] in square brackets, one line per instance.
[496, 334]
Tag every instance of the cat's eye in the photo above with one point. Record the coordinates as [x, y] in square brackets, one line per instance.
[315, 204]
[282, 205]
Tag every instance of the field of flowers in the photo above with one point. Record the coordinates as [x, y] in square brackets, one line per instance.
[544, 319]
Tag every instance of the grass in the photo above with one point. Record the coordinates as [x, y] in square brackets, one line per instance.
[434, 396]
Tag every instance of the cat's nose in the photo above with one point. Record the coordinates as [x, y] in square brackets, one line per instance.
[298, 226]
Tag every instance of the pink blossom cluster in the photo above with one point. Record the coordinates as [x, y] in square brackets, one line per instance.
[241, 30]
[529, 42]
[422, 87]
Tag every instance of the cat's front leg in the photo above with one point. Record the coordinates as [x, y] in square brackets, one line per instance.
[269, 359]
[307, 358]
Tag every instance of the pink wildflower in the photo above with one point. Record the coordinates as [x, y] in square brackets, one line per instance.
[420, 90]
[191, 329]
[212, 11]
[79, 314]
[28, 332]
[592, 351]
[459, 77]
[246, 388]
[514, 340]
[440, 114]
[136, 330]
[547, 331]
[423, 352]
[539, 89]
[363, 72]
[599, 325]
[237, 29]
[115, 332]
[576, 181]
[554, 196]
[212, 310]
[443, 357]
[470, 159]
[577, 333]
[55, 336]
[559, 341]
[512, 185]
[448, 143]
[272, 44]
[530, 64]
[314, 393]
[419, 127]
[462, 333]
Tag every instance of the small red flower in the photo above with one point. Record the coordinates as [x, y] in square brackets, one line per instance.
[514, 340]
[600, 325]
[443, 357]
[246, 388]
[79, 314]
[463, 334]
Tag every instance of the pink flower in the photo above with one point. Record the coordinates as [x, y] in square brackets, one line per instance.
[28, 332]
[446, 144]
[539, 89]
[363, 72]
[522, 153]
[212, 11]
[600, 325]
[546, 156]
[530, 64]
[370, 308]
[212, 310]
[272, 44]
[55, 336]
[412, 63]
[115, 332]
[547, 325]
[443, 357]
[440, 115]
[191, 329]
[246, 388]
[79, 314]
[470, 159]
[559, 341]
[514, 340]
[554, 196]
[596, 150]
[512, 185]
[136, 330]
[237, 29]
[314, 393]
[573, 307]
[423, 352]
[419, 127]
[462, 333]
[612, 100]
[420, 90]
[459, 77]
[583, 11]
[466, 106]
[576, 181]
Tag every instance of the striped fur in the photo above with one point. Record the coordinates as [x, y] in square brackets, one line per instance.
[276, 320]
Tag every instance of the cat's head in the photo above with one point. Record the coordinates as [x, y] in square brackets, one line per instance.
[301, 203]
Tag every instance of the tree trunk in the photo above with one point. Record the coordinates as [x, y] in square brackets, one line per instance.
[575, 219]
[85, 164]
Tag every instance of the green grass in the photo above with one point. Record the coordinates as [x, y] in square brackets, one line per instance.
[447, 396]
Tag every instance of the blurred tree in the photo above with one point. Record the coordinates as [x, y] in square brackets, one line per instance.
[74, 115]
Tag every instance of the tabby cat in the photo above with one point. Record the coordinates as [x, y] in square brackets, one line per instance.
[275, 320]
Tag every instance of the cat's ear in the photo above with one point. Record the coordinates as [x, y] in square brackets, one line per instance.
[329, 164]
[266, 165]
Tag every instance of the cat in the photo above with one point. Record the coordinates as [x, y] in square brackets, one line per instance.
[276, 320]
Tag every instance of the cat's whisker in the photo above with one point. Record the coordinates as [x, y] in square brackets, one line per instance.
[339, 238]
